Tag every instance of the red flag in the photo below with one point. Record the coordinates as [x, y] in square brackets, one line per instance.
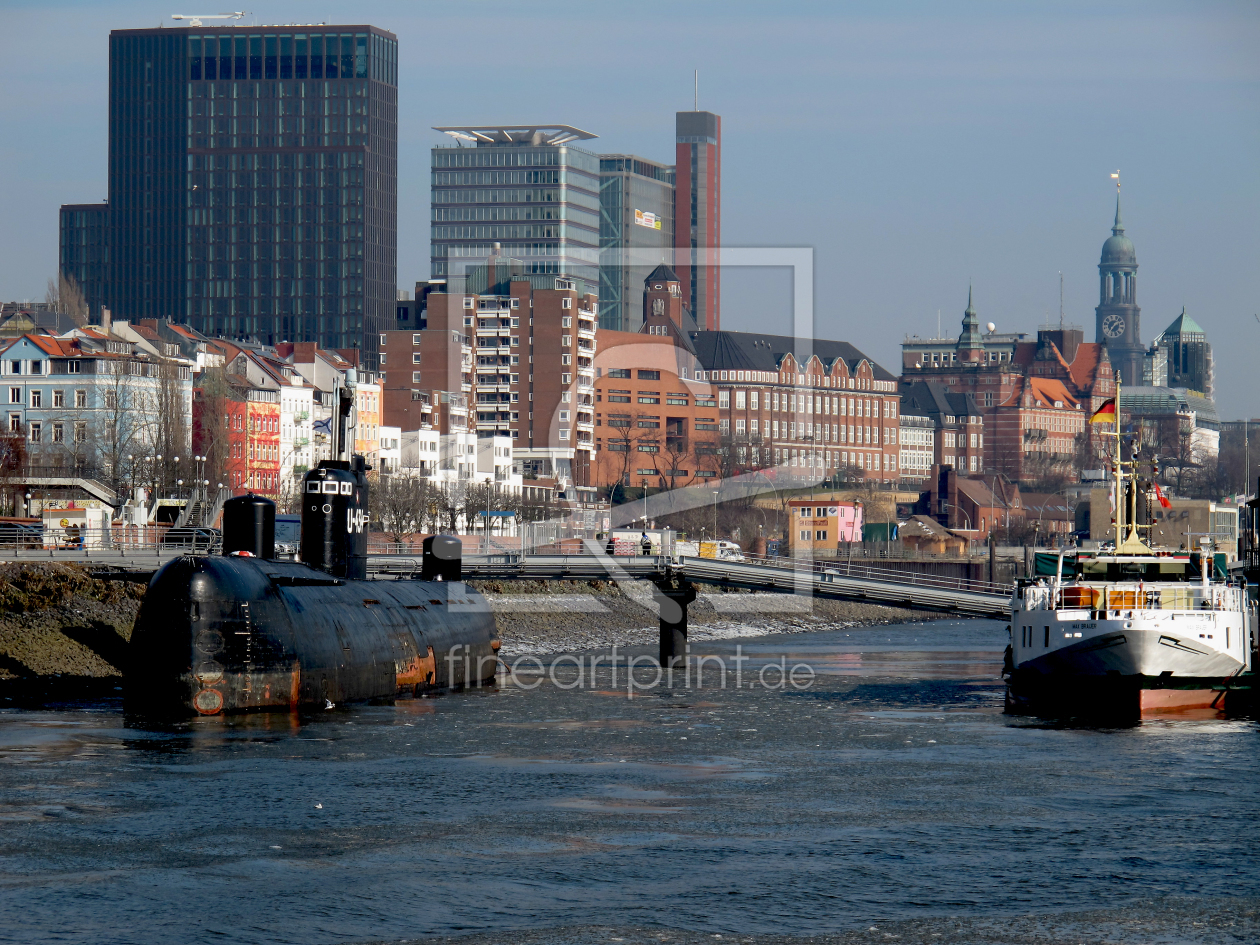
[1163, 499]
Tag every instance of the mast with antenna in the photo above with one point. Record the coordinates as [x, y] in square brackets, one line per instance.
[696, 102]
[1060, 300]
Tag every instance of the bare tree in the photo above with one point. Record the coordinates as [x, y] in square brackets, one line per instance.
[210, 421]
[401, 504]
[65, 296]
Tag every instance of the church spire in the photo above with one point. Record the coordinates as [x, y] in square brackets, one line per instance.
[1118, 228]
[970, 343]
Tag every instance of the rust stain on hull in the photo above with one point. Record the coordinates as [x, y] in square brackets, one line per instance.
[416, 674]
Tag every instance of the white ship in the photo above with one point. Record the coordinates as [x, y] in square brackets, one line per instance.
[1133, 630]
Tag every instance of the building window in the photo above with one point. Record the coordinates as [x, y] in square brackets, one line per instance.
[820, 535]
[415, 339]
[37, 432]
[566, 303]
[619, 372]
[724, 399]
[80, 398]
[74, 367]
[37, 397]
[59, 398]
[740, 400]
[469, 302]
[649, 375]
[805, 534]
[15, 423]
[58, 432]
[15, 395]
[415, 377]
[111, 399]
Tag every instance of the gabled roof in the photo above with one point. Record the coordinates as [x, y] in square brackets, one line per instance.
[931, 399]
[1046, 391]
[1084, 367]
[742, 350]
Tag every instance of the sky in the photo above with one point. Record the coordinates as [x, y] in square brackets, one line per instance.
[916, 148]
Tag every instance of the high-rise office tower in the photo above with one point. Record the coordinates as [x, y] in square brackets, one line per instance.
[636, 233]
[698, 213]
[521, 186]
[252, 182]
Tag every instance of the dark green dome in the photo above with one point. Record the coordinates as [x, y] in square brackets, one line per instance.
[1118, 250]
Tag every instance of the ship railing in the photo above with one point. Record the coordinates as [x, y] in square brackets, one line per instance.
[1112, 597]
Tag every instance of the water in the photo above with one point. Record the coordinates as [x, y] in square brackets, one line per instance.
[892, 793]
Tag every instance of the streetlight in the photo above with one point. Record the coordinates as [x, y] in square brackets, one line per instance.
[715, 528]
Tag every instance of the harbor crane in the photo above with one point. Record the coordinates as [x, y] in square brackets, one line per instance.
[196, 19]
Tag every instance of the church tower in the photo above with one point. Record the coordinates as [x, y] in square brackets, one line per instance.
[1118, 312]
[970, 342]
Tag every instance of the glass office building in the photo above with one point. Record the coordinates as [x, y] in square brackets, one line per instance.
[636, 233]
[83, 252]
[523, 187]
[253, 181]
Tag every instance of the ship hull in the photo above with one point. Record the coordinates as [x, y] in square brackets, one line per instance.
[1139, 662]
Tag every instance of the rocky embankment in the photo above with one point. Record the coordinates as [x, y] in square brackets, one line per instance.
[64, 633]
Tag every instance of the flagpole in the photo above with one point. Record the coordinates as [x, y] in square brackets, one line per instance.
[1119, 473]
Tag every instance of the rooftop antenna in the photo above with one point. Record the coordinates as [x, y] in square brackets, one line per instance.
[1060, 300]
[938, 323]
[696, 103]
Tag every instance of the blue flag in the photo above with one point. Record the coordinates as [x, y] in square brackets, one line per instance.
[323, 426]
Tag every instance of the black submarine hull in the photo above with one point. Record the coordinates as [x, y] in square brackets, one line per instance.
[220, 635]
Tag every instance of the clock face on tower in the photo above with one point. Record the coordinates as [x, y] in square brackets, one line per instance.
[1113, 325]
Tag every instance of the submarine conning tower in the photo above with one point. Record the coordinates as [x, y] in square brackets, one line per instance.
[242, 632]
[334, 518]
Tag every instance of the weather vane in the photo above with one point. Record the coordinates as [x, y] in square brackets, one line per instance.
[1116, 178]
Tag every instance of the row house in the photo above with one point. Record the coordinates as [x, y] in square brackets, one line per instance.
[95, 400]
[1034, 397]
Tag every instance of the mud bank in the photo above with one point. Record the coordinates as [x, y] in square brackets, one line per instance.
[64, 633]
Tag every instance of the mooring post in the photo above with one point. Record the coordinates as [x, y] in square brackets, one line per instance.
[672, 602]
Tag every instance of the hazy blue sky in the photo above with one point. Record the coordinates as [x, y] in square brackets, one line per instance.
[915, 146]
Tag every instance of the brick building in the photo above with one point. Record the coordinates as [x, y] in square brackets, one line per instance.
[521, 347]
[957, 437]
[1034, 397]
[710, 404]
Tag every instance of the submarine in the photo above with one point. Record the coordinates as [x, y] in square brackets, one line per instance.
[244, 632]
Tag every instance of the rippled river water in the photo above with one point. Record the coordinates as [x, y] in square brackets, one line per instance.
[889, 800]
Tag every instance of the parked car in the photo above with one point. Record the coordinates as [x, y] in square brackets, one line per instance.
[21, 534]
[195, 538]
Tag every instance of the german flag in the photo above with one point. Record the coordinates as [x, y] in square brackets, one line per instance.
[1106, 413]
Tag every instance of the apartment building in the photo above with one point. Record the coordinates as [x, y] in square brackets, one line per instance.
[522, 351]
[92, 399]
